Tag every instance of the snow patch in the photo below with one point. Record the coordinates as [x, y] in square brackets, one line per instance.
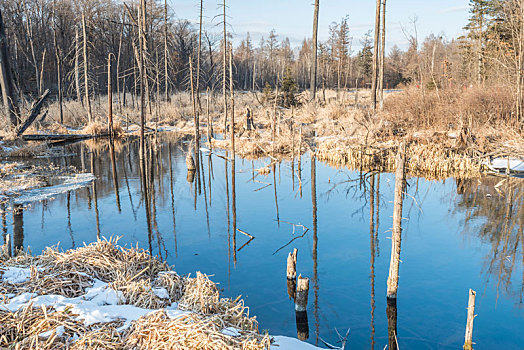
[15, 274]
[70, 183]
[286, 343]
[501, 164]
[231, 331]
[162, 293]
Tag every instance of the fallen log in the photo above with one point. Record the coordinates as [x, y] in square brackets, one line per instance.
[55, 137]
[61, 137]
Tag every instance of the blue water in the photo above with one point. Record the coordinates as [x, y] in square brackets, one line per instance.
[456, 235]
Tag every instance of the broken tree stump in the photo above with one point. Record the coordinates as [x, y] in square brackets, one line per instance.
[291, 273]
[301, 293]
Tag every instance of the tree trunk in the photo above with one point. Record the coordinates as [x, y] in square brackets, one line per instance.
[58, 75]
[313, 84]
[10, 103]
[382, 57]
[77, 69]
[141, 39]
[396, 235]
[109, 98]
[166, 55]
[198, 57]
[86, 69]
[375, 57]
[224, 68]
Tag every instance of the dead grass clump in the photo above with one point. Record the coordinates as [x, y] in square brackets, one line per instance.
[139, 293]
[201, 295]
[36, 328]
[172, 283]
[57, 128]
[104, 260]
[66, 283]
[29, 150]
[423, 159]
[189, 331]
[94, 128]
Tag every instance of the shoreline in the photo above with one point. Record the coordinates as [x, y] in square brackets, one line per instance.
[105, 295]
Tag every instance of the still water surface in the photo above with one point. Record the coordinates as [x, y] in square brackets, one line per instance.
[456, 235]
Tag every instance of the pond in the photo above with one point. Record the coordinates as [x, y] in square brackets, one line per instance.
[457, 234]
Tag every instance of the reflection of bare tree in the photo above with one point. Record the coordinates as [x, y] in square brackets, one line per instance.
[18, 227]
[499, 203]
[315, 243]
[171, 186]
[69, 226]
[372, 261]
[95, 197]
[114, 175]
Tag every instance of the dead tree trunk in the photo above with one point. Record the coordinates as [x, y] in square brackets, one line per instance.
[109, 98]
[198, 57]
[224, 68]
[397, 225]
[231, 88]
[141, 41]
[77, 69]
[86, 69]
[375, 57]
[382, 57]
[313, 84]
[6, 81]
[166, 55]
[58, 57]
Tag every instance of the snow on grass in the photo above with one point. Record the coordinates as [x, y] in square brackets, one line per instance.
[100, 304]
[15, 274]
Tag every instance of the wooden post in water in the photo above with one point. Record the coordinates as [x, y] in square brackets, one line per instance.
[301, 297]
[468, 341]
[291, 273]
[302, 293]
[397, 224]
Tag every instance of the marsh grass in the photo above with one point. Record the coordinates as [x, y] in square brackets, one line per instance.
[134, 273]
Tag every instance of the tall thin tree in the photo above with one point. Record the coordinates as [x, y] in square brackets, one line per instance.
[5, 77]
[86, 69]
[224, 66]
[313, 84]
[376, 47]
[382, 56]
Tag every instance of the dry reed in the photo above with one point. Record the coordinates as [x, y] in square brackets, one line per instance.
[137, 275]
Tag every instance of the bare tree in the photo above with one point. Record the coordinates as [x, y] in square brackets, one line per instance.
[375, 57]
[382, 57]
[6, 81]
[313, 84]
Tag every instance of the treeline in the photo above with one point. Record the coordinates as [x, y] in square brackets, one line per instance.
[64, 45]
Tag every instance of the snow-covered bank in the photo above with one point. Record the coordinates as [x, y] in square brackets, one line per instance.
[105, 293]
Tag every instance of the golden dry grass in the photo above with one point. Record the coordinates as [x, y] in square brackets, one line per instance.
[135, 273]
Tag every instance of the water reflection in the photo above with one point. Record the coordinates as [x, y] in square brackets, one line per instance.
[499, 203]
[195, 227]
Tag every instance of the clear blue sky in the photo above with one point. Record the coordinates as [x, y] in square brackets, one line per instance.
[293, 18]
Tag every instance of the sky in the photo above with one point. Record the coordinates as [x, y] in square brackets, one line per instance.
[294, 18]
